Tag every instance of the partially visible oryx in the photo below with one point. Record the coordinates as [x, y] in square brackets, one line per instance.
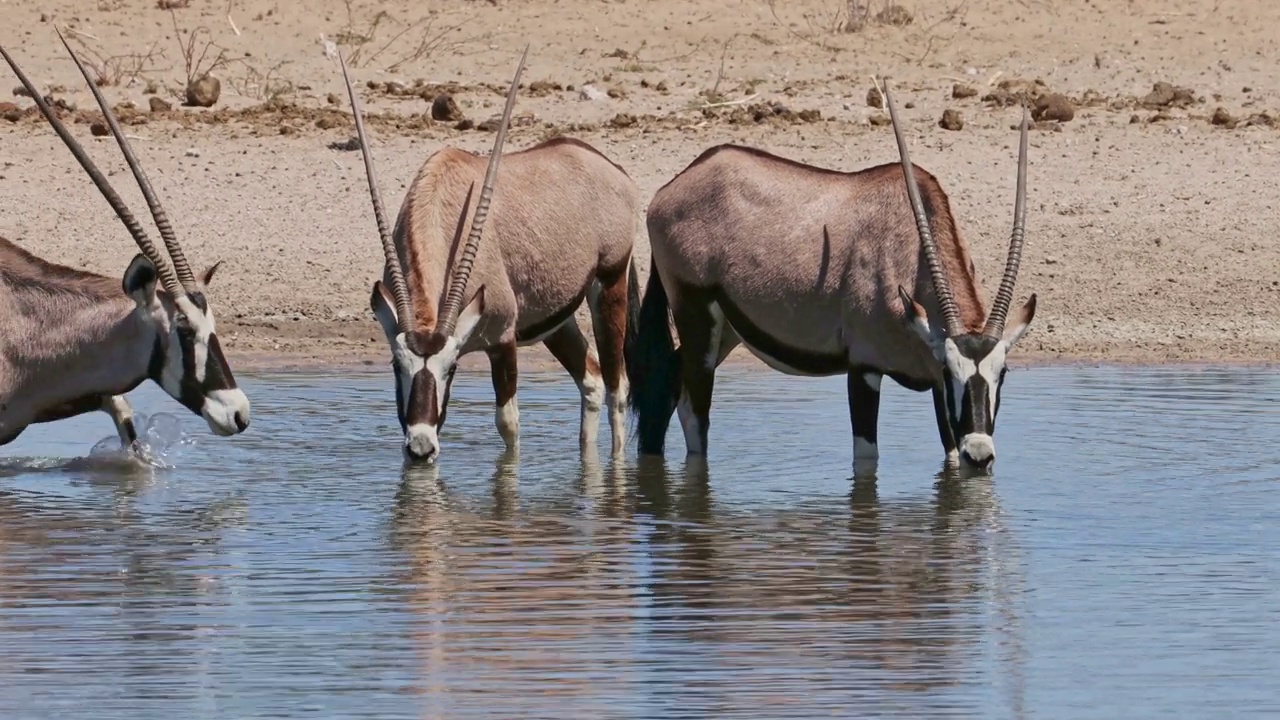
[73, 342]
[562, 225]
[818, 273]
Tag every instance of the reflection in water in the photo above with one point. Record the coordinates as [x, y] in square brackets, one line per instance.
[289, 572]
[740, 605]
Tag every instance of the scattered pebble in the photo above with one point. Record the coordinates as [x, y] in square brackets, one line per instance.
[591, 92]
[99, 129]
[951, 120]
[879, 119]
[204, 91]
[445, 109]
[961, 91]
[1223, 118]
[159, 104]
[1054, 106]
[874, 98]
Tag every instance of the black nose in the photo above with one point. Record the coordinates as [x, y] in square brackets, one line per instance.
[983, 464]
[242, 422]
[415, 455]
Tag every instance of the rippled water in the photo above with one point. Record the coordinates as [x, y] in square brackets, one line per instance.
[1123, 562]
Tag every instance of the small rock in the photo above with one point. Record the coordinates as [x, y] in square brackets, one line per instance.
[1134, 119]
[617, 92]
[99, 129]
[622, 120]
[21, 91]
[909, 105]
[287, 130]
[193, 153]
[879, 120]
[1054, 106]
[395, 87]
[591, 92]
[1165, 94]
[10, 112]
[951, 120]
[1223, 118]
[333, 99]
[328, 122]
[894, 14]
[874, 98]
[204, 92]
[159, 104]
[45, 17]
[152, 88]
[490, 125]
[465, 124]
[538, 88]
[961, 91]
[445, 109]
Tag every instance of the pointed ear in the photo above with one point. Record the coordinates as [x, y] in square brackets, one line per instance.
[916, 317]
[1014, 331]
[384, 309]
[140, 281]
[470, 316]
[207, 275]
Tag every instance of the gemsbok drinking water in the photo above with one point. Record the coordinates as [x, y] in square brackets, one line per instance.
[820, 273]
[562, 223]
[73, 342]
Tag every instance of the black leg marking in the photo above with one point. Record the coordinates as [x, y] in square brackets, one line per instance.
[694, 324]
[944, 422]
[864, 412]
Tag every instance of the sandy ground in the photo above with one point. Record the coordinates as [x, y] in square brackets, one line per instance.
[1149, 228]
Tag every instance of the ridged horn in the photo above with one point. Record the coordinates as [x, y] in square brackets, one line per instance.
[941, 287]
[180, 266]
[1000, 308]
[148, 248]
[462, 271]
[399, 290]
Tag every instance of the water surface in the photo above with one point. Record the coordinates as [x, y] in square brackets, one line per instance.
[1121, 562]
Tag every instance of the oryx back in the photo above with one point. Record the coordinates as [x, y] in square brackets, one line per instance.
[804, 262]
[560, 211]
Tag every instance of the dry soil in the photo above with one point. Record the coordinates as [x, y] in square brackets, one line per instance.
[1151, 208]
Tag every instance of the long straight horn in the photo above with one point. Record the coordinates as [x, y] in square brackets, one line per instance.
[941, 287]
[399, 289]
[462, 272]
[167, 278]
[1000, 309]
[180, 266]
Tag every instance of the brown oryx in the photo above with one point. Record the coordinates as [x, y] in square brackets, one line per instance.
[73, 342]
[818, 273]
[561, 229]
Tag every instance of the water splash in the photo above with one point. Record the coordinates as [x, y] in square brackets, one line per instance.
[159, 437]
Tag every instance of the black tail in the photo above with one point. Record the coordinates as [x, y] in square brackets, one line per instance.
[653, 364]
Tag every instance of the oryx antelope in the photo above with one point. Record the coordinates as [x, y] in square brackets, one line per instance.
[818, 273]
[561, 227]
[73, 342]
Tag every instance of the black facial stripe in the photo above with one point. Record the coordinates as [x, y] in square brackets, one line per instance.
[217, 373]
[190, 393]
[421, 407]
[977, 393]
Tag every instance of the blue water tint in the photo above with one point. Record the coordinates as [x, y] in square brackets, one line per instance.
[1121, 562]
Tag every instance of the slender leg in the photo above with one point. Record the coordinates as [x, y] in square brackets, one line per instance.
[569, 347]
[122, 415]
[944, 425]
[609, 313]
[502, 364]
[696, 323]
[864, 415]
